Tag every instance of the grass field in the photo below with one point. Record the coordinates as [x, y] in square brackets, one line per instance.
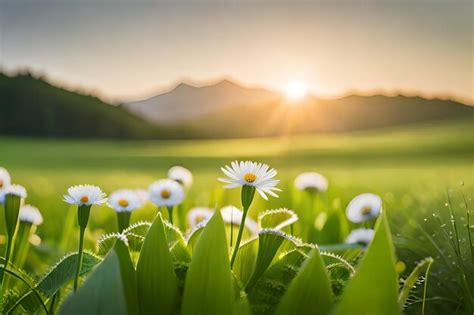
[411, 167]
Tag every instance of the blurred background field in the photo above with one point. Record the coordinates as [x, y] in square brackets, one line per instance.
[411, 167]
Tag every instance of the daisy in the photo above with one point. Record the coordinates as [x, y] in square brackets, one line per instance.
[85, 195]
[5, 182]
[143, 195]
[166, 192]
[198, 215]
[253, 174]
[30, 214]
[311, 181]
[233, 215]
[181, 175]
[16, 190]
[360, 236]
[124, 200]
[364, 207]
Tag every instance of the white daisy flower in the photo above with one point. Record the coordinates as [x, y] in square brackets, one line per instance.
[181, 175]
[166, 192]
[5, 179]
[253, 174]
[143, 195]
[231, 214]
[5, 182]
[198, 215]
[85, 195]
[360, 236]
[124, 200]
[30, 214]
[311, 181]
[364, 207]
[16, 190]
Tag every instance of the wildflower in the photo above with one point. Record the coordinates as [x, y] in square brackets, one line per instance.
[197, 215]
[30, 214]
[124, 201]
[251, 176]
[84, 196]
[5, 182]
[233, 215]
[360, 236]
[312, 182]
[166, 193]
[364, 207]
[13, 197]
[181, 175]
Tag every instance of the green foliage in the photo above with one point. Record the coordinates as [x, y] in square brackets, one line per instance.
[102, 293]
[410, 281]
[129, 276]
[58, 277]
[209, 288]
[374, 288]
[270, 287]
[309, 290]
[55, 112]
[157, 283]
[277, 219]
[245, 261]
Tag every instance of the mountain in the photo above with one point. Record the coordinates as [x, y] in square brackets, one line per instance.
[30, 106]
[186, 102]
[280, 117]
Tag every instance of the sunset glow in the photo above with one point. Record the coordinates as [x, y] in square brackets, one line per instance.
[295, 90]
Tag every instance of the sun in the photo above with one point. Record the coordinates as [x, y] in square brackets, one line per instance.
[295, 90]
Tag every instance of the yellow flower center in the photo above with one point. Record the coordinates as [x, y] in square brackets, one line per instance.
[123, 202]
[165, 194]
[84, 199]
[366, 210]
[199, 218]
[250, 177]
[1, 184]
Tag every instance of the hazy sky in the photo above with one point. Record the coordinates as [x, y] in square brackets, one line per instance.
[131, 49]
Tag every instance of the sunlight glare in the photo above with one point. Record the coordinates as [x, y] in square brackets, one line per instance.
[295, 90]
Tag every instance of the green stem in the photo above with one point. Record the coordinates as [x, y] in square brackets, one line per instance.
[170, 213]
[79, 256]
[239, 238]
[123, 220]
[7, 259]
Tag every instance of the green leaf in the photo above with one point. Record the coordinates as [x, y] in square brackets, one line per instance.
[59, 276]
[269, 243]
[266, 293]
[245, 261]
[157, 283]
[102, 292]
[410, 281]
[208, 288]
[310, 288]
[374, 288]
[277, 219]
[194, 235]
[129, 275]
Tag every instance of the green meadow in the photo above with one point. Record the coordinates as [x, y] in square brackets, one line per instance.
[413, 168]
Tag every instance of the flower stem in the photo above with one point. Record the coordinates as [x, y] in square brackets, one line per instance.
[123, 220]
[239, 238]
[79, 256]
[170, 213]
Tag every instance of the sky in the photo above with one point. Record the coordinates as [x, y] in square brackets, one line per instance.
[124, 50]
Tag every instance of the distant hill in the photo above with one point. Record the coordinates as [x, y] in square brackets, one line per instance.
[311, 115]
[32, 107]
[228, 110]
[187, 102]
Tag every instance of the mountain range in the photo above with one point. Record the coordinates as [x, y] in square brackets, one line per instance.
[30, 106]
[228, 110]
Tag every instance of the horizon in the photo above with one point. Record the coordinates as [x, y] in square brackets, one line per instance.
[213, 82]
[133, 51]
